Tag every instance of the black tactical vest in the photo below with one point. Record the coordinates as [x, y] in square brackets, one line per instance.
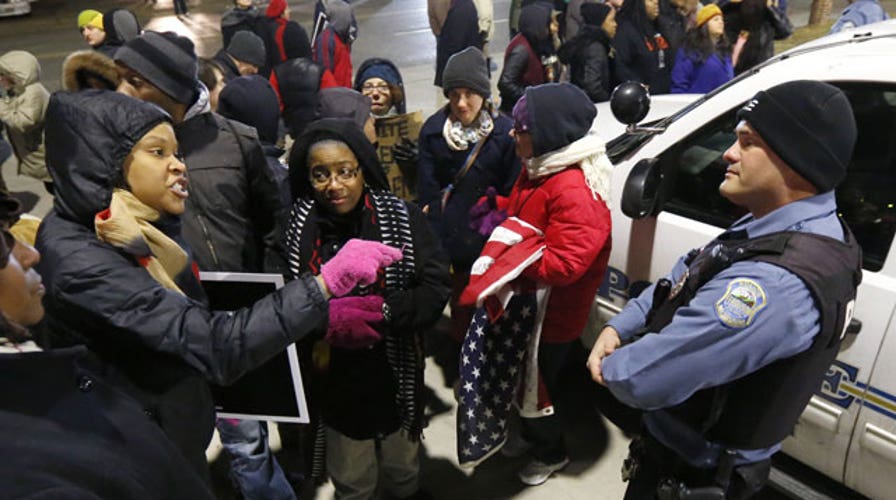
[760, 409]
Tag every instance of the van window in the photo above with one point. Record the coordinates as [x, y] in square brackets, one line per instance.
[866, 199]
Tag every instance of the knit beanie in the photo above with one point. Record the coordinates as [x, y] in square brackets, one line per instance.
[341, 102]
[594, 14]
[556, 114]
[90, 17]
[247, 47]
[810, 125]
[385, 72]
[467, 69]
[708, 12]
[121, 26]
[275, 8]
[165, 60]
[251, 100]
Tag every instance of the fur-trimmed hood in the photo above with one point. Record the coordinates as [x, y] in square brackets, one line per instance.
[89, 69]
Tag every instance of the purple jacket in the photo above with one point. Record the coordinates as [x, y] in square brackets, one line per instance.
[690, 76]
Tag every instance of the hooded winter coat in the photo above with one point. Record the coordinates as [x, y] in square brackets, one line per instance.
[86, 69]
[121, 26]
[459, 31]
[588, 57]
[156, 345]
[22, 111]
[522, 57]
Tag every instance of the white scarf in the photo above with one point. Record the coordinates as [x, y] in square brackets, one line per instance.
[589, 152]
[459, 138]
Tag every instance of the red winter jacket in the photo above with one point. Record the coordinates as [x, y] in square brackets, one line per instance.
[577, 235]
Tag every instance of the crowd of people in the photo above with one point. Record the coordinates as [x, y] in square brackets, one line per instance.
[266, 159]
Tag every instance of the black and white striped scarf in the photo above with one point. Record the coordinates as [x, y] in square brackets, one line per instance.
[404, 353]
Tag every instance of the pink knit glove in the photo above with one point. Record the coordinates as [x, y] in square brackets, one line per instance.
[356, 264]
[350, 320]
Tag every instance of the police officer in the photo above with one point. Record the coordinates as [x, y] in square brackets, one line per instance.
[725, 351]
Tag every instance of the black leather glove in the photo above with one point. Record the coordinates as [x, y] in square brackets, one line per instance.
[406, 155]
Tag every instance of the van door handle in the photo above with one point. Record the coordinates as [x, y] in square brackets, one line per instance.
[855, 326]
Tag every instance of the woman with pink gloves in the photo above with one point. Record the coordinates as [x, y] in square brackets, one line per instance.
[367, 365]
[120, 280]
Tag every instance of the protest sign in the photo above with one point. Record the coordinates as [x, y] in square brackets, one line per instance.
[389, 131]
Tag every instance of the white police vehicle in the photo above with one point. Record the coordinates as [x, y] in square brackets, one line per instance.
[15, 7]
[670, 170]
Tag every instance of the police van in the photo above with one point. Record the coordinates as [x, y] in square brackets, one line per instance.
[666, 202]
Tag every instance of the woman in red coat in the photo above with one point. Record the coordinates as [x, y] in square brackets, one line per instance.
[563, 192]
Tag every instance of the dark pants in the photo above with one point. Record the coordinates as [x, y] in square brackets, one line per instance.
[180, 6]
[546, 433]
[657, 463]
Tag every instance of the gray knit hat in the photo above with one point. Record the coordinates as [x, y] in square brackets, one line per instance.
[467, 69]
[248, 47]
[165, 60]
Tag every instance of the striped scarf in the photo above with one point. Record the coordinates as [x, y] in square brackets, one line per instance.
[404, 353]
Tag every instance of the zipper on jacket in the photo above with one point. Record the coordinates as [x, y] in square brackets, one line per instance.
[208, 242]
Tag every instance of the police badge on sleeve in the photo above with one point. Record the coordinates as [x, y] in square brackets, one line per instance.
[743, 299]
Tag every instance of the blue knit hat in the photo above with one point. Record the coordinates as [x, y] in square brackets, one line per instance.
[382, 71]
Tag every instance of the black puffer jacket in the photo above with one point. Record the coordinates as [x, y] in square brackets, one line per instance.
[75, 436]
[587, 54]
[155, 344]
[233, 213]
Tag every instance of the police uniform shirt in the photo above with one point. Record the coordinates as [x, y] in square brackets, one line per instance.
[748, 316]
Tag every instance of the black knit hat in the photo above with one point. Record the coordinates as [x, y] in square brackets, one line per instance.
[248, 47]
[558, 115]
[594, 14]
[251, 100]
[810, 125]
[467, 69]
[165, 60]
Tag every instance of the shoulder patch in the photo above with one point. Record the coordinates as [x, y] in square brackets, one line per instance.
[743, 299]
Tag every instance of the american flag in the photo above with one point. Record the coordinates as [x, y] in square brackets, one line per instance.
[501, 344]
[491, 362]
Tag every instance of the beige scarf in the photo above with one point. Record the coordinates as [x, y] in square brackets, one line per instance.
[127, 224]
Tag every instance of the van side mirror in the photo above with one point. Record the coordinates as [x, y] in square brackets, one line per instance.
[640, 194]
[630, 102]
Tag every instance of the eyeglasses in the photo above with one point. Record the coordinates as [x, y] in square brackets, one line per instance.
[321, 176]
[380, 87]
